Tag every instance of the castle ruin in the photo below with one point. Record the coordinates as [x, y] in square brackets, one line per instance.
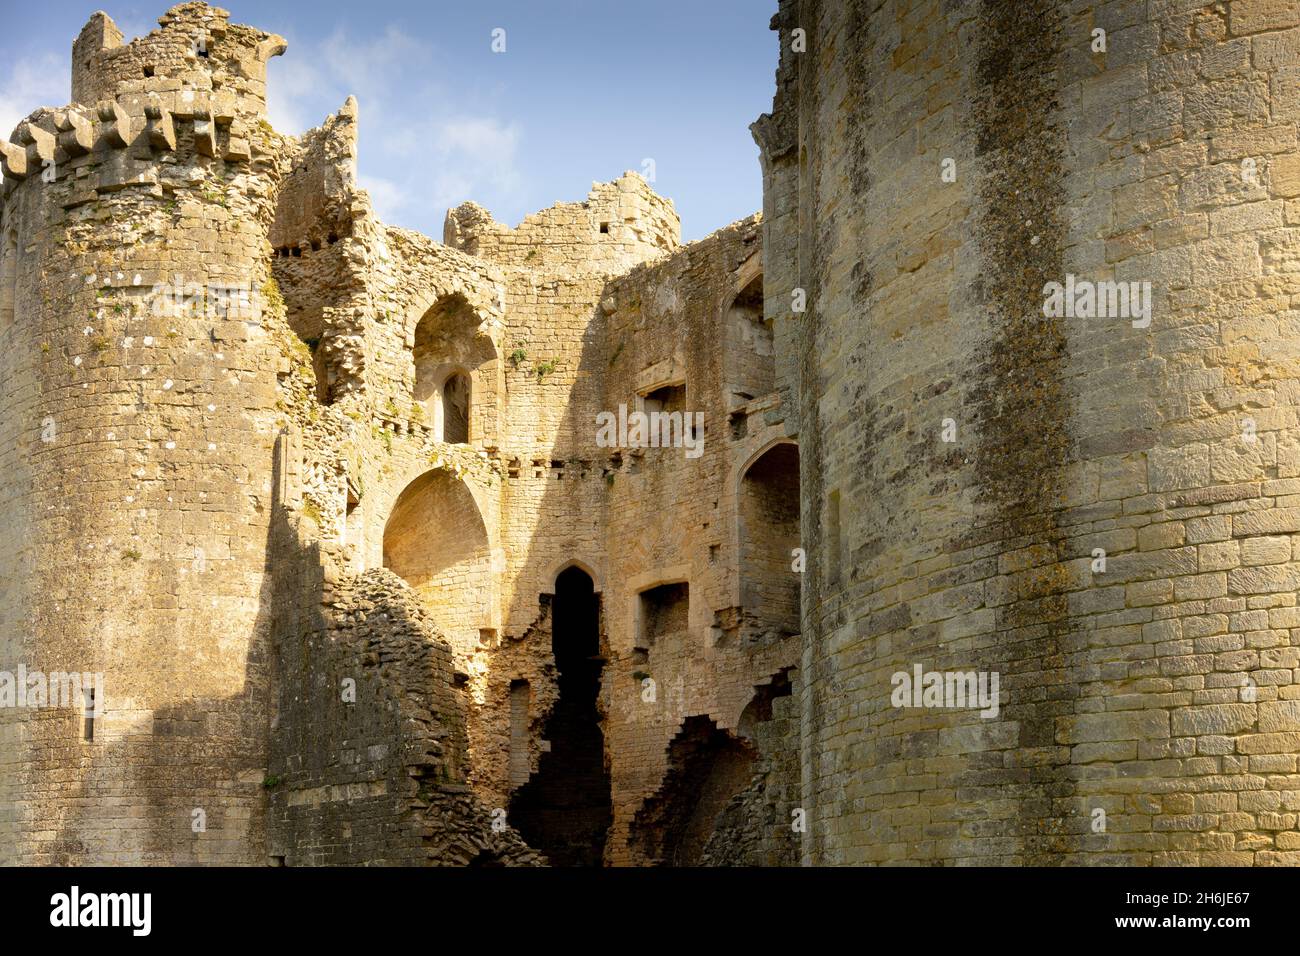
[326, 504]
[568, 543]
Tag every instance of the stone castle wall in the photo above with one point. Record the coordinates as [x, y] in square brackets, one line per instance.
[209, 518]
[619, 225]
[138, 463]
[673, 519]
[386, 472]
[1160, 692]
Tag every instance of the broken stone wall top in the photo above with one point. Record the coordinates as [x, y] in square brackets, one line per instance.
[315, 204]
[196, 51]
[621, 224]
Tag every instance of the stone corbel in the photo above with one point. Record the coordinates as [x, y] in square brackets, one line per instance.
[115, 125]
[205, 133]
[13, 160]
[160, 126]
[76, 134]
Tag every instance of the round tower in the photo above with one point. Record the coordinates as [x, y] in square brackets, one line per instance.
[137, 450]
[1049, 399]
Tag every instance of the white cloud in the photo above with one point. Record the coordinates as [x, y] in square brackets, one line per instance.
[41, 80]
[428, 170]
[421, 150]
[311, 80]
[485, 138]
[292, 86]
[474, 156]
[371, 65]
[388, 198]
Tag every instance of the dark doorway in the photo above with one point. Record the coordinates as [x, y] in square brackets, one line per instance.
[769, 537]
[564, 810]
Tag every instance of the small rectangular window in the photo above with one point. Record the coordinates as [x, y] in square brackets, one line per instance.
[664, 610]
[669, 398]
[88, 701]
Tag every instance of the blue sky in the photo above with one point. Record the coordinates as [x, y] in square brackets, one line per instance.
[584, 90]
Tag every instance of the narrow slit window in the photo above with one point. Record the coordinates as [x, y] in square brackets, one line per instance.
[88, 726]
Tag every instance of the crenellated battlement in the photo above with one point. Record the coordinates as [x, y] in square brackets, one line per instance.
[196, 50]
[194, 87]
[116, 143]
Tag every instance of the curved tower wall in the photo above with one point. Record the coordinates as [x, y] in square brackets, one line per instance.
[138, 405]
[1149, 709]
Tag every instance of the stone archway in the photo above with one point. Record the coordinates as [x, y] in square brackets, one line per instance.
[435, 539]
[749, 363]
[456, 366]
[456, 392]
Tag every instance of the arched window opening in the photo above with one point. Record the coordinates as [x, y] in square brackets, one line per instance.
[769, 537]
[750, 364]
[451, 357]
[455, 408]
[565, 809]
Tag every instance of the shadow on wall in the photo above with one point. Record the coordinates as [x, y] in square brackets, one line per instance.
[564, 809]
[202, 799]
[369, 752]
[707, 767]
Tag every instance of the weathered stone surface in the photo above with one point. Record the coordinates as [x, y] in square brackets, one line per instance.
[305, 487]
[929, 168]
[261, 395]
